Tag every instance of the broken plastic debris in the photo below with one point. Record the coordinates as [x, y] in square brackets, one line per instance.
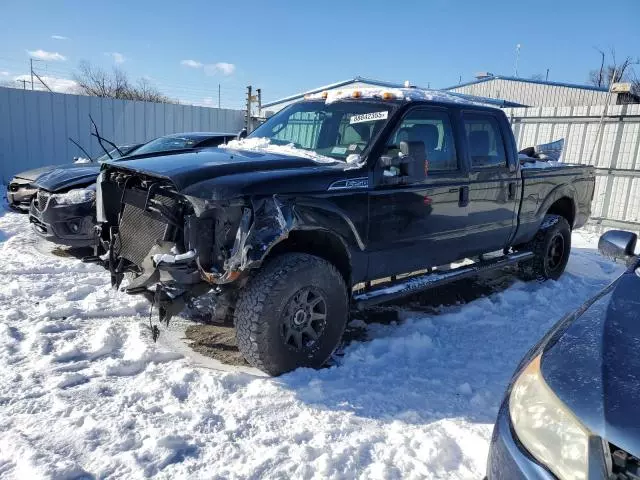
[159, 258]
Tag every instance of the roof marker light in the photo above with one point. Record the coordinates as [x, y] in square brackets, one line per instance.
[388, 96]
[324, 94]
[356, 94]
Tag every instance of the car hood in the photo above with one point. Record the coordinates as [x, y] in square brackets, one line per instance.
[594, 367]
[33, 174]
[187, 169]
[68, 177]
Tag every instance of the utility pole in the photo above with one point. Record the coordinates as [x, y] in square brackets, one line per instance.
[218, 95]
[31, 63]
[546, 79]
[247, 122]
[24, 83]
[259, 92]
[517, 57]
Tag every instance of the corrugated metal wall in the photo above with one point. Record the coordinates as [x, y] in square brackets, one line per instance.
[615, 151]
[35, 126]
[535, 94]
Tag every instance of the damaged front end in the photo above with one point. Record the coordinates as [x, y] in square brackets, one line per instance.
[172, 247]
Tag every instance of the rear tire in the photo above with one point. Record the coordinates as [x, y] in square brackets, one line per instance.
[291, 314]
[551, 247]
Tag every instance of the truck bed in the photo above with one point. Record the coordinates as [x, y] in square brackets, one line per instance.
[543, 183]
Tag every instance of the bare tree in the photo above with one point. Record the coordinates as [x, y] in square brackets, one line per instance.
[537, 76]
[613, 71]
[98, 83]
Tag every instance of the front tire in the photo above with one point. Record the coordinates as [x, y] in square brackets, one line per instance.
[291, 314]
[551, 247]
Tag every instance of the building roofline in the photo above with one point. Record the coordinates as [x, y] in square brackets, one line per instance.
[380, 83]
[528, 80]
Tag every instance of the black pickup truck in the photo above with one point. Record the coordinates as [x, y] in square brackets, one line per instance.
[290, 226]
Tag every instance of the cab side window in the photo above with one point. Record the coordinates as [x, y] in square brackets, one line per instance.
[433, 129]
[484, 141]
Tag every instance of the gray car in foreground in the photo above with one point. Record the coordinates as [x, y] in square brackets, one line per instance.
[572, 410]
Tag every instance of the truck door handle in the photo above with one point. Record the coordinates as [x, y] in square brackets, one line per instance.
[512, 190]
[464, 196]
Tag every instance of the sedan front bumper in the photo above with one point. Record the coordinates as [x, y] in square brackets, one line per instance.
[20, 194]
[71, 225]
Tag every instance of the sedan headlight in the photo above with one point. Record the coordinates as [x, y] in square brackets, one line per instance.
[546, 427]
[78, 195]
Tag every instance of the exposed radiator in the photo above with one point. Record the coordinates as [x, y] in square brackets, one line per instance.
[139, 231]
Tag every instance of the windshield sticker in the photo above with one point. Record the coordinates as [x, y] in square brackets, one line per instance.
[369, 117]
[339, 150]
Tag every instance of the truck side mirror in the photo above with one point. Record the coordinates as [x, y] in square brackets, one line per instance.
[416, 156]
[407, 167]
[618, 245]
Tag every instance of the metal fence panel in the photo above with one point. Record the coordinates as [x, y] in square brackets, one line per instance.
[611, 143]
[35, 126]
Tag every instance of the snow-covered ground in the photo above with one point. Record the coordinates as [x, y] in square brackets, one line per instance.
[85, 393]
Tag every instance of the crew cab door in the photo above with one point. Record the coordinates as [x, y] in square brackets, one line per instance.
[418, 224]
[495, 184]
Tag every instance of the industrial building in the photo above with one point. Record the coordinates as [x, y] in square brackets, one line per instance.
[501, 90]
[542, 93]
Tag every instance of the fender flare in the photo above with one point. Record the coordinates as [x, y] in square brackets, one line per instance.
[561, 191]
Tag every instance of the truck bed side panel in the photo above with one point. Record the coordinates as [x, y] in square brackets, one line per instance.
[542, 187]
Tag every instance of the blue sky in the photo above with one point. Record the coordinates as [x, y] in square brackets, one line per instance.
[288, 47]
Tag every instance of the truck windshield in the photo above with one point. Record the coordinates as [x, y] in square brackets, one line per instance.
[334, 130]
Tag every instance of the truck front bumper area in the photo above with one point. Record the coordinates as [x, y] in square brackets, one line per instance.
[71, 225]
[166, 279]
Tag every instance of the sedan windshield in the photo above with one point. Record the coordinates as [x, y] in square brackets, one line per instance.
[334, 130]
[113, 154]
[164, 144]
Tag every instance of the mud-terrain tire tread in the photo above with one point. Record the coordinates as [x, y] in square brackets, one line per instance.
[534, 269]
[253, 316]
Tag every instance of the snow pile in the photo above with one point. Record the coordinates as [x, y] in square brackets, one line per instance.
[407, 94]
[84, 392]
[263, 144]
[533, 163]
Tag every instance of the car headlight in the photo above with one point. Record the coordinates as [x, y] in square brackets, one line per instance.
[78, 195]
[546, 427]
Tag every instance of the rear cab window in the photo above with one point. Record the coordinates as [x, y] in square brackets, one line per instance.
[485, 141]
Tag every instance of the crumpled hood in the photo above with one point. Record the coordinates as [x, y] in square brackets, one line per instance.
[33, 174]
[187, 169]
[594, 368]
[80, 175]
